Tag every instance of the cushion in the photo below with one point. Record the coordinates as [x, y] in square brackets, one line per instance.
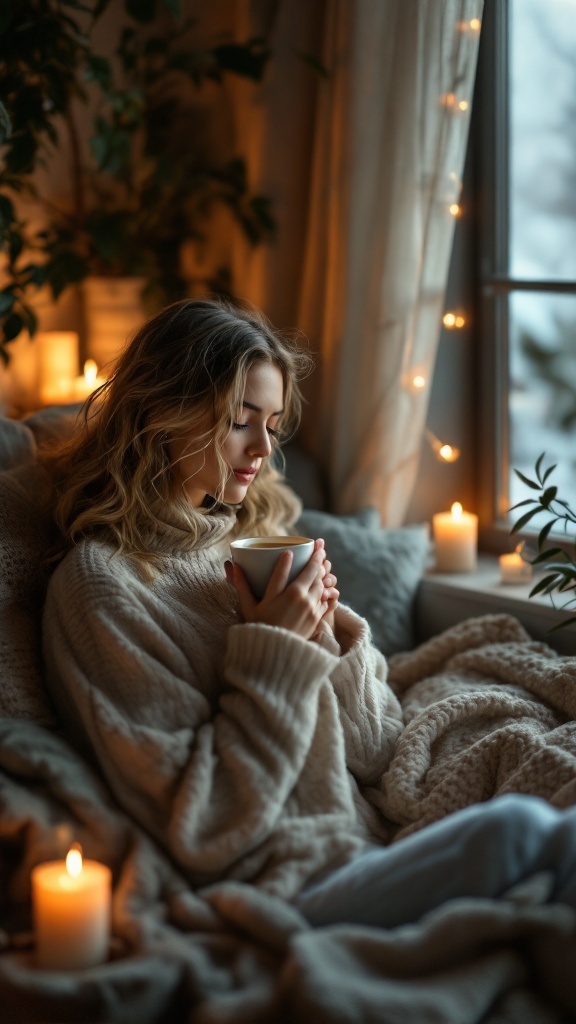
[378, 570]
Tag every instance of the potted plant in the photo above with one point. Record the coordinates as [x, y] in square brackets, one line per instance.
[558, 561]
[147, 185]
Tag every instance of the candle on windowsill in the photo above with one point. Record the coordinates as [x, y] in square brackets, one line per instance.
[71, 904]
[513, 568]
[455, 540]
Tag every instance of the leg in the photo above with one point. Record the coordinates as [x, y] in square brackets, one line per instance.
[479, 851]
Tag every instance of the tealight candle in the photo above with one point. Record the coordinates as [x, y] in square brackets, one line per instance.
[455, 540]
[84, 385]
[71, 901]
[513, 568]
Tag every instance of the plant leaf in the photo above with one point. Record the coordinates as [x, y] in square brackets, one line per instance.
[543, 584]
[525, 519]
[529, 483]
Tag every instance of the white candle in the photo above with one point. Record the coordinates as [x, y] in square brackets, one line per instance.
[83, 386]
[513, 568]
[57, 365]
[71, 901]
[455, 539]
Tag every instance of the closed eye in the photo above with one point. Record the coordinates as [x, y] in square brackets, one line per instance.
[244, 426]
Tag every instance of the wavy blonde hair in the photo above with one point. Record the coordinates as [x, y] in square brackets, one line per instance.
[185, 368]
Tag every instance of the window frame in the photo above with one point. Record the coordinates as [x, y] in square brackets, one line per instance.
[494, 284]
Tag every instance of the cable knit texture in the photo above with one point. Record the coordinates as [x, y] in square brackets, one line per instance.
[243, 748]
[487, 711]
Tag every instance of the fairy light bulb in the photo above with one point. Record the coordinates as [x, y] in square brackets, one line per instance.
[455, 210]
[475, 24]
[418, 382]
[463, 105]
[459, 321]
[449, 320]
[448, 453]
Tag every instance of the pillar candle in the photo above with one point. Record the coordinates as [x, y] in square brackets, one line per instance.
[57, 364]
[455, 540]
[71, 904]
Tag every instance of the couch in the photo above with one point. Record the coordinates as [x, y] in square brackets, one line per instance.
[487, 710]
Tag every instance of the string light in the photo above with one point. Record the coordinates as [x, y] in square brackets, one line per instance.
[455, 209]
[463, 105]
[475, 24]
[419, 382]
[443, 452]
[453, 320]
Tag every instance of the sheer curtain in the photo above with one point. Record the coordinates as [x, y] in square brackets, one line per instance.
[378, 162]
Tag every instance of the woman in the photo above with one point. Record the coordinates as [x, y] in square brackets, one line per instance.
[241, 733]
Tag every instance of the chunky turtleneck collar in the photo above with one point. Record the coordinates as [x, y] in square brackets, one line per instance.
[179, 529]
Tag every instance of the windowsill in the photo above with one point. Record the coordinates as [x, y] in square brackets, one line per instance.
[444, 599]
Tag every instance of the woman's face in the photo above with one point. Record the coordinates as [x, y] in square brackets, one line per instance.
[247, 444]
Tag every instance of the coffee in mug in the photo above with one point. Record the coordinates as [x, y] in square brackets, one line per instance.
[257, 556]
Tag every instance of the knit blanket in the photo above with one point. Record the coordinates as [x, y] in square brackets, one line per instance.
[487, 711]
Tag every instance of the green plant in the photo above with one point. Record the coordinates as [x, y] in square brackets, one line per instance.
[559, 563]
[148, 182]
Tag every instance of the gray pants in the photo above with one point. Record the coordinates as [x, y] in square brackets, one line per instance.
[482, 850]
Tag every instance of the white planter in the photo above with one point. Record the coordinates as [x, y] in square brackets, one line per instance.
[113, 308]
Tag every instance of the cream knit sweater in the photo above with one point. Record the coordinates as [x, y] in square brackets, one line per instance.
[241, 747]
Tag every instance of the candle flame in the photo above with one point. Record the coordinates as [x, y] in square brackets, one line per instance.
[74, 860]
[456, 510]
[519, 547]
[90, 371]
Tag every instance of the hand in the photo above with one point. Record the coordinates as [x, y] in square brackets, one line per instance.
[298, 606]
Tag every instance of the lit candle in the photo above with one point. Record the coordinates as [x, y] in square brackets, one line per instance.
[57, 365]
[513, 568]
[84, 385]
[455, 539]
[71, 901]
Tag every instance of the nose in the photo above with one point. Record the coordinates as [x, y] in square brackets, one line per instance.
[260, 445]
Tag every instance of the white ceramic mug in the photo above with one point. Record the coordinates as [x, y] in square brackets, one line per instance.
[257, 556]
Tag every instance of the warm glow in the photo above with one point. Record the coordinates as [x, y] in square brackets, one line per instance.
[74, 860]
[456, 511]
[475, 24]
[419, 381]
[90, 371]
[448, 453]
[455, 210]
[449, 99]
[463, 105]
[451, 320]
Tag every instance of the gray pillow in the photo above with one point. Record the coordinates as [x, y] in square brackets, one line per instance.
[378, 570]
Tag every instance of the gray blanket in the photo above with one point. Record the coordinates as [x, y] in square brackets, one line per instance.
[487, 711]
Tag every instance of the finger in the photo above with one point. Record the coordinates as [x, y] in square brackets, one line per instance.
[245, 596]
[279, 578]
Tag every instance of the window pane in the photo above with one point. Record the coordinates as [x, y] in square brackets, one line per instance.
[542, 396]
[542, 60]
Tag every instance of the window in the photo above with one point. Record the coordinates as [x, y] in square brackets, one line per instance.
[527, 268]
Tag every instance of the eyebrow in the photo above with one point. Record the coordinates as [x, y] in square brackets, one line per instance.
[256, 408]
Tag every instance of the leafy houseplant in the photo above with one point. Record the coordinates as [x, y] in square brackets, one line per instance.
[559, 563]
[148, 183]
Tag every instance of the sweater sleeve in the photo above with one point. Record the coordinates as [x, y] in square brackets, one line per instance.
[370, 713]
[208, 778]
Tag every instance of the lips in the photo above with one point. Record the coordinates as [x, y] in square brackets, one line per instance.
[245, 475]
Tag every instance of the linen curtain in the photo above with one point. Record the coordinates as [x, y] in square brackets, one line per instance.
[371, 163]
